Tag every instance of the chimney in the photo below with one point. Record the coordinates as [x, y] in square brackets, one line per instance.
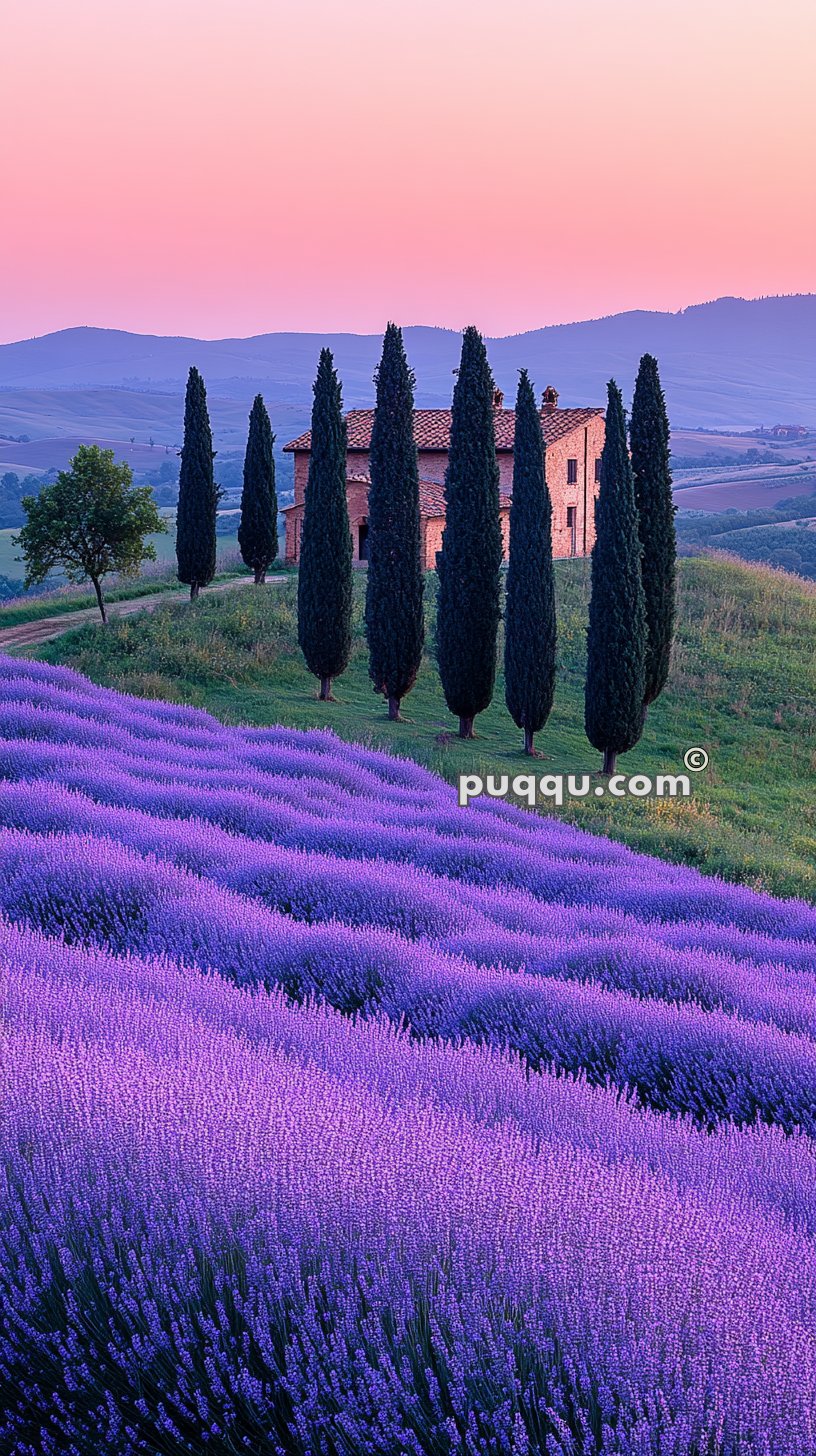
[498, 399]
[549, 400]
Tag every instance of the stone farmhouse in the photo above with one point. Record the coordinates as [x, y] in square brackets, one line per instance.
[573, 439]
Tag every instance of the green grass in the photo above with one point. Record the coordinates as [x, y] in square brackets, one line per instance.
[743, 686]
[66, 599]
[164, 544]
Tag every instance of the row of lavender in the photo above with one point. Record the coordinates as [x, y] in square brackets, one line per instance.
[309, 791]
[204, 843]
[229, 1224]
[676, 1057]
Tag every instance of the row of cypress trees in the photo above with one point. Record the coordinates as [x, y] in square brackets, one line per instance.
[633, 562]
[196, 543]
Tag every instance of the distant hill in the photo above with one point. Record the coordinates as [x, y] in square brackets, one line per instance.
[731, 363]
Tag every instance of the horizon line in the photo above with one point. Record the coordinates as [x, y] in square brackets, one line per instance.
[439, 328]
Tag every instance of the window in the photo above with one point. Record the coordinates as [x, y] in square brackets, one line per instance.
[597, 469]
[572, 472]
[572, 527]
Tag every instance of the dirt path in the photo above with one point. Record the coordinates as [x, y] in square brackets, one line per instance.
[33, 634]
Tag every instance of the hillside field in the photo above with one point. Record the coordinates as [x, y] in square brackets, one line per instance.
[336, 1118]
[744, 489]
[743, 687]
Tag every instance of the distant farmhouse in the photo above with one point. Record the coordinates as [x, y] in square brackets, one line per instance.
[574, 440]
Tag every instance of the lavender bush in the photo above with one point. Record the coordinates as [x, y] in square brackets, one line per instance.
[335, 1119]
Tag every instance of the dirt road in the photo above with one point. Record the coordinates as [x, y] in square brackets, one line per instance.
[33, 634]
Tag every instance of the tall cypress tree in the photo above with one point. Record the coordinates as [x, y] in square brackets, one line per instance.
[324, 578]
[649, 435]
[198, 493]
[529, 613]
[258, 531]
[395, 626]
[468, 609]
[616, 639]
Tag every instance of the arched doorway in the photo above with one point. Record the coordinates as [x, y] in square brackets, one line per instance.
[362, 541]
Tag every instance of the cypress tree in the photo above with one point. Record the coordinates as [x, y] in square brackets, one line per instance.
[649, 434]
[324, 578]
[198, 493]
[470, 560]
[258, 531]
[616, 638]
[395, 626]
[529, 614]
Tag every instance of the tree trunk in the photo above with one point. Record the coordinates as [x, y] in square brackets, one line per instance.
[610, 760]
[528, 742]
[466, 728]
[260, 575]
[394, 710]
[194, 591]
[100, 600]
[325, 690]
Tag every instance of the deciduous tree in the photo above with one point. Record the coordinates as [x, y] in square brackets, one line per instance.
[91, 521]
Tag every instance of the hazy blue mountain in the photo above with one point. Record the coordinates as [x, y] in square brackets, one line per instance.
[727, 363]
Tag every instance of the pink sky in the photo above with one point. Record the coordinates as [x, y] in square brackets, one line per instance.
[218, 167]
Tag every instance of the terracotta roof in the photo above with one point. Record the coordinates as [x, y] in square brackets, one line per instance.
[432, 427]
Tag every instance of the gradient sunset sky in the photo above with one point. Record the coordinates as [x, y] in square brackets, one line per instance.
[228, 167]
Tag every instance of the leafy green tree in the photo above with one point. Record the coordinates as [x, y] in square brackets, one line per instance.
[468, 610]
[258, 531]
[529, 614]
[649, 437]
[616, 638]
[324, 576]
[91, 521]
[395, 626]
[198, 493]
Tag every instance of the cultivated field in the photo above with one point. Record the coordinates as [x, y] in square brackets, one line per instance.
[742, 489]
[535, 1175]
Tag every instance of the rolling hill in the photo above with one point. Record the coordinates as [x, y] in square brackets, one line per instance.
[730, 363]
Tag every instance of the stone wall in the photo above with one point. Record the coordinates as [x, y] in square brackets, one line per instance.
[573, 500]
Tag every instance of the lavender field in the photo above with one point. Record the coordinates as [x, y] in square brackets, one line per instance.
[336, 1119]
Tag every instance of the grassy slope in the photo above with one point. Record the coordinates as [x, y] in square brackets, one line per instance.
[159, 576]
[66, 600]
[743, 686]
